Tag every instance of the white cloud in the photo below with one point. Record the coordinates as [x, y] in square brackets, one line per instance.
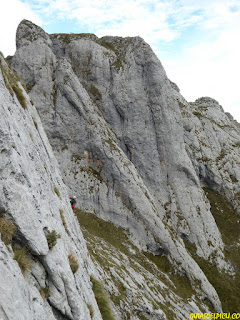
[146, 18]
[197, 41]
[211, 69]
[12, 12]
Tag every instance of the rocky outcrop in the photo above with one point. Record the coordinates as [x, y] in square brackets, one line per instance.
[212, 142]
[135, 153]
[114, 122]
[34, 203]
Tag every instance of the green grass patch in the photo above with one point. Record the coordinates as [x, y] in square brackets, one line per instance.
[64, 148]
[90, 309]
[73, 263]
[107, 231]
[57, 192]
[35, 124]
[11, 80]
[102, 299]
[161, 262]
[226, 217]
[92, 226]
[167, 308]
[107, 45]
[236, 145]
[95, 93]
[117, 64]
[181, 282]
[52, 238]
[121, 293]
[7, 229]
[21, 98]
[63, 219]
[198, 114]
[221, 156]
[68, 38]
[234, 179]
[227, 287]
[22, 258]
[44, 292]
[112, 144]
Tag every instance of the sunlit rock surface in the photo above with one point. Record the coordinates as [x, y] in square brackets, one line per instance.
[33, 197]
[136, 154]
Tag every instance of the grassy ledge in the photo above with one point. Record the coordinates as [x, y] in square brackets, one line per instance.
[102, 299]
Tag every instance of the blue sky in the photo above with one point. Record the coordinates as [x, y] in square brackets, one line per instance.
[197, 41]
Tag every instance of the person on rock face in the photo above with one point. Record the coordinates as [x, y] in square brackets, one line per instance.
[73, 202]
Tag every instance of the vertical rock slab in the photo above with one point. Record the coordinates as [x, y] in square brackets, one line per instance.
[35, 200]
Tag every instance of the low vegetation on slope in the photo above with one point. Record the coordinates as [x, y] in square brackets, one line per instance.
[102, 299]
[103, 239]
[11, 80]
[139, 284]
[228, 222]
[6, 230]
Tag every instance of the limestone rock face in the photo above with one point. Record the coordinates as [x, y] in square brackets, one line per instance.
[129, 146]
[34, 199]
[114, 122]
[212, 142]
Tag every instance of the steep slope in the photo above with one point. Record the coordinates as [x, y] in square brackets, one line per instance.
[88, 115]
[37, 226]
[141, 285]
[118, 128]
[212, 142]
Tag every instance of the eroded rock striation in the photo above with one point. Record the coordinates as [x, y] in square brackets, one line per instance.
[34, 199]
[136, 154]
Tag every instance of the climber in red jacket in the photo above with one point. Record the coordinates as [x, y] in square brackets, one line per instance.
[73, 202]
